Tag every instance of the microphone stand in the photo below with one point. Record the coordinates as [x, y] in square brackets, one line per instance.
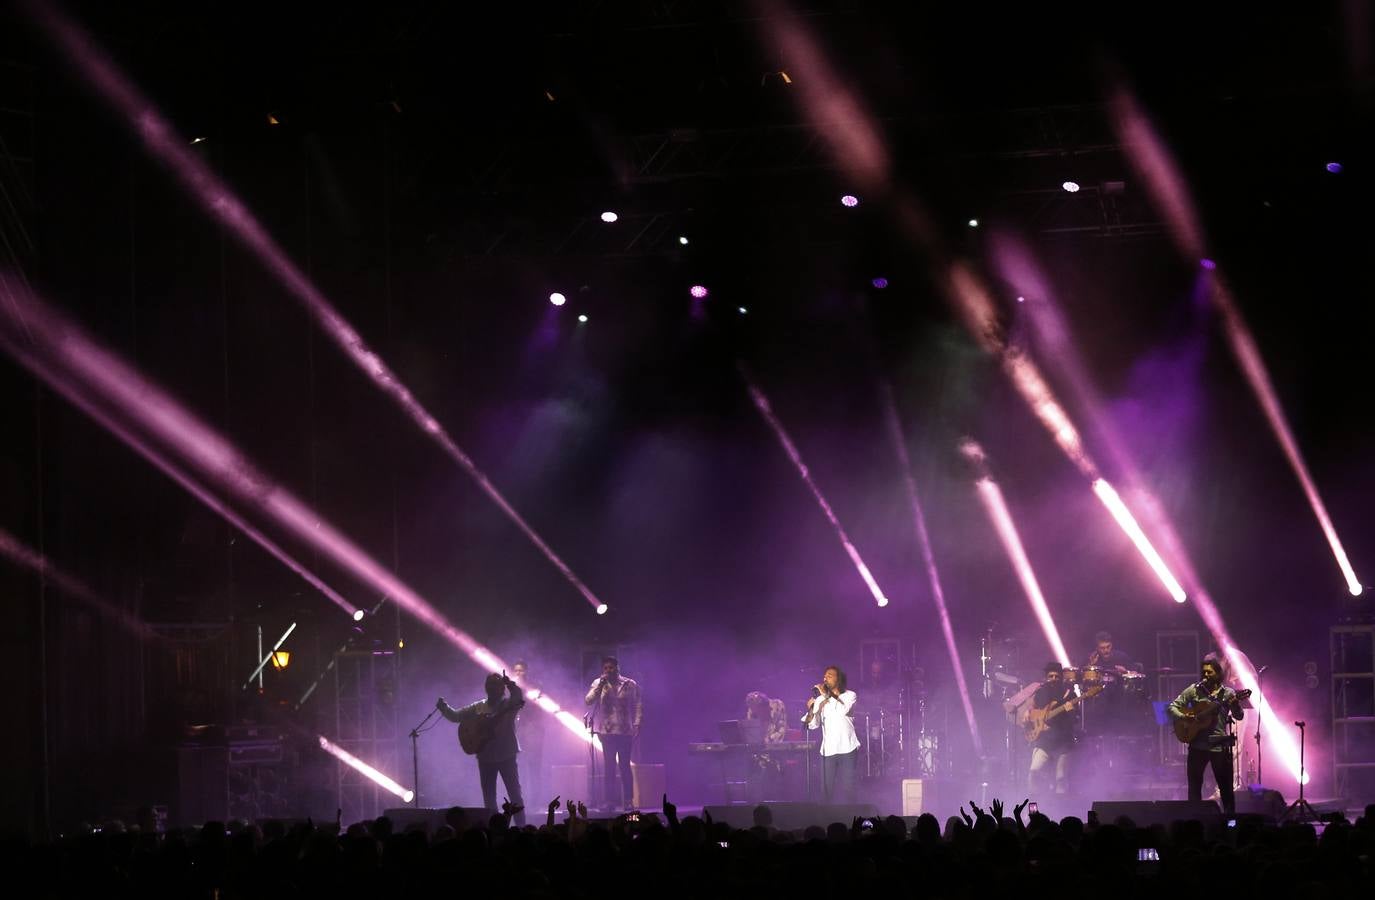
[415, 753]
[1300, 810]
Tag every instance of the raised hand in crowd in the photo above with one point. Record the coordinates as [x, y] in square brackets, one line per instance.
[1017, 811]
[967, 820]
[997, 809]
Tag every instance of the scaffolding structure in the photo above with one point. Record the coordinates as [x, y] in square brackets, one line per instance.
[365, 691]
[1176, 663]
[1353, 710]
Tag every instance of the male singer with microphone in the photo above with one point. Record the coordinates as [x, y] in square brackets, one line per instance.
[829, 710]
[1213, 746]
[615, 716]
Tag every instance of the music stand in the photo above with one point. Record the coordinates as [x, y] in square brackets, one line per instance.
[1300, 810]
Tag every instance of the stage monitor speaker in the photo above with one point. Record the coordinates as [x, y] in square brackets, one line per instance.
[1144, 813]
[1259, 801]
[792, 816]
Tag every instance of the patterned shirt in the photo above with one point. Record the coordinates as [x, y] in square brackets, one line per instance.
[616, 708]
[1214, 738]
[777, 728]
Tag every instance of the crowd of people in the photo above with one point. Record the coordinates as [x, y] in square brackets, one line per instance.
[569, 856]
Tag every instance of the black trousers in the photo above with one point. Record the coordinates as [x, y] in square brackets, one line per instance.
[509, 771]
[1221, 761]
[838, 777]
[616, 755]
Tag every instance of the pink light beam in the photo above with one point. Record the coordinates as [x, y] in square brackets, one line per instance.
[933, 574]
[761, 403]
[367, 771]
[63, 355]
[1244, 347]
[1158, 172]
[162, 142]
[1119, 511]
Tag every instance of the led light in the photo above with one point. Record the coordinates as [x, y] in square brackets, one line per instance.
[699, 291]
[880, 283]
[1071, 187]
[582, 318]
[973, 223]
[358, 615]
[608, 217]
[601, 610]
[849, 200]
[557, 299]
[1334, 167]
[682, 239]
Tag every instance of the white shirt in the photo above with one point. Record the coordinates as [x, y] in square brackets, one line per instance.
[837, 728]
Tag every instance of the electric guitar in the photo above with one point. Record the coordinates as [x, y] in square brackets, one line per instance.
[1201, 717]
[477, 732]
[1038, 720]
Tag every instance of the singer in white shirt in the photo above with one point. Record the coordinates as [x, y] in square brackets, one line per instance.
[829, 710]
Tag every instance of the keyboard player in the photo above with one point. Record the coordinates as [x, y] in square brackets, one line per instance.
[765, 775]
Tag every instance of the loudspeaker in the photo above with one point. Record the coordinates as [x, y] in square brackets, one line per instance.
[1144, 813]
[404, 817]
[1259, 801]
[790, 816]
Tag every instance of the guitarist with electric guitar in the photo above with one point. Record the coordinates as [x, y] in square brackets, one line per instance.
[1049, 729]
[487, 730]
[1203, 714]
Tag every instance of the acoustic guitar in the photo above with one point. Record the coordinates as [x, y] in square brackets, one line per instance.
[1038, 720]
[1200, 717]
[477, 732]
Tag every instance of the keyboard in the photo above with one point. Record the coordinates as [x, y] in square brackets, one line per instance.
[714, 747]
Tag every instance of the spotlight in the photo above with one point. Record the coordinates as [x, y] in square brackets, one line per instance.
[849, 200]
[583, 318]
[557, 299]
[273, 120]
[601, 610]
[608, 217]
[1207, 264]
[682, 239]
[973, 223]
[1021, 299]
[698, 291]
[1071, 187]
[408, 796]
[1334, 167]
[742, 310]
[1356, 590]
[784, 76]
[882, 601]
[880, 283]
[199, 140]
[357, 615]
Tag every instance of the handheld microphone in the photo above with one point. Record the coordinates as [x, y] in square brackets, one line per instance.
[816, 692]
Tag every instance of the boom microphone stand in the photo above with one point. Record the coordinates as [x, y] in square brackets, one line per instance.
[415, 752]
[1299, 810]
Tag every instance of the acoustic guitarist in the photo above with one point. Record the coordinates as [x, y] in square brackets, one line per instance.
[487, 729]
[1203, 713]
[1056, 737]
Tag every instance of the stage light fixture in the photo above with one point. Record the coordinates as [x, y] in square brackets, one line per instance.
[849, 200]
[582, 318]
[1208, 264]
[742, 310]
[557, 299]
[1070, 187]
[880, 283]
[973, 223]
[682, 239]
[608, 217]
[366, 770]
[1334, 167]
[699, 291]
[358, 614]
[601, 610]
[281, 659]
[199, 140]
